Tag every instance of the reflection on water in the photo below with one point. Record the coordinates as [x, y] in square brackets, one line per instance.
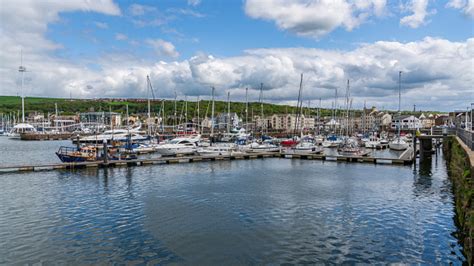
[231, 212]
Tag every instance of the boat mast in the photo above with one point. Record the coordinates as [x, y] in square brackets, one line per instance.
[186, 110]
[347, 106]
[298, 106]
[56, 116]
[319, 117]
[399, 103]
[128, 123]
[228, 112]
[246, 108]
[198, 112]
[212, 115]
[175, 120]
[261, 107]
[22, 70]
[163, 116]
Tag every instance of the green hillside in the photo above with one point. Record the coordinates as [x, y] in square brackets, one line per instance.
[12, 104]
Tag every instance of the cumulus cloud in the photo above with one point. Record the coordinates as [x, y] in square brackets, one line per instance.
[314, 18]
[162, 48]
[372, 68]
[467, 6]
[419, 13]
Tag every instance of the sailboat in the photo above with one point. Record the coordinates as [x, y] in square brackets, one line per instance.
[398, 143]
[22, 127]
[304, 145]
[349, 146]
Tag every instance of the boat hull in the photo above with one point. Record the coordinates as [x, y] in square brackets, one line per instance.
[65, 158]
[398, 146]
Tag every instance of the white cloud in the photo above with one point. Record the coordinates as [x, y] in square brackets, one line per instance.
[314, 18]
[121, 37]
[194, 2]
[372, 68]
[139, 10]
[186, 12]
[466, 6]
[419, 13]
[162, 48]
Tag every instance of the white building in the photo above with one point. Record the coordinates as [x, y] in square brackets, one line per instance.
[407, 122]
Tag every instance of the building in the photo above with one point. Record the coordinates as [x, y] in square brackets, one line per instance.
[442, 120]
[223, 119]
[407, 122]
[288, 122]
[427, 121]
[107, 118]
[383, 121]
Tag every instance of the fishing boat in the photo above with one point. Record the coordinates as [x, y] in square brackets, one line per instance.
[93, 153]
[179, 146]
[76, 155]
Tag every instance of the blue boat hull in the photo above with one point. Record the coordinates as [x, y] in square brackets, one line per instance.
[70, 159]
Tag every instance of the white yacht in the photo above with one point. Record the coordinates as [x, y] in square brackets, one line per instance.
[398, 144]
[179, 146]
[225, 149]
[372, 143]
[20, 128]
[264, 147]
[114, 134]
[304, 148]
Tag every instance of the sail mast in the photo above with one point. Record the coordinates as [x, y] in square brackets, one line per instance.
[22, 70]
[246, 108]
[228, 112]
[212, 116]
[399, 103]
[261, 106]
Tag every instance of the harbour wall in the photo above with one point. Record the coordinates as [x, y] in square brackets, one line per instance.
[460, 161]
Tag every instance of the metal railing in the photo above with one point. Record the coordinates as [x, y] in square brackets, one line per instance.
[466, 136]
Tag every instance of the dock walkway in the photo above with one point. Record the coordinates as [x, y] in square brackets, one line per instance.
[405, 159]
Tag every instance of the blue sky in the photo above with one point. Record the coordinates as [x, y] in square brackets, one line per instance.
[107, 48]
[223, 29]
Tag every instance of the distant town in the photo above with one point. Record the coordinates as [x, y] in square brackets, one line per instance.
[170, 116]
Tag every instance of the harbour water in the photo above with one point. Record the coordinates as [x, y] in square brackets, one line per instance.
[227, 212]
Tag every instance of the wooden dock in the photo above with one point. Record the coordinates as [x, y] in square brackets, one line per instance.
[45, 136]
[405, 159]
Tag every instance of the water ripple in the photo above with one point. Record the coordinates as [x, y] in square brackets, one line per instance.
[273, 211]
